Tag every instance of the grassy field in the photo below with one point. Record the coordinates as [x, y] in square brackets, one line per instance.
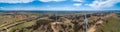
[111, 25]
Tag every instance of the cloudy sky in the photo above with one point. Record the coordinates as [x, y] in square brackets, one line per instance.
[59, 4]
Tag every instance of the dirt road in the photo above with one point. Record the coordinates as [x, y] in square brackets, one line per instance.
[93, 28]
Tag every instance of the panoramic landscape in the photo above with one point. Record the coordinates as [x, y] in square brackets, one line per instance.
[62, 21]
[59, 15]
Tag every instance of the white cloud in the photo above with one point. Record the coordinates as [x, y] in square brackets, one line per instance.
[15, 1]
[77, 4]
[79, 0]
[103, 4]
[51, 0]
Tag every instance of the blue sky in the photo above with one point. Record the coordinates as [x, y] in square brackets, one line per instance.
[59, 4]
